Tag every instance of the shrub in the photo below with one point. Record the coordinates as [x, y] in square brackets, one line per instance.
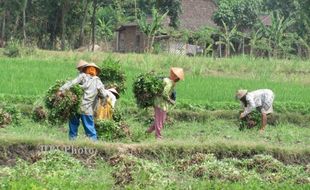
[61, 108]
[145, 88]
[111, 75]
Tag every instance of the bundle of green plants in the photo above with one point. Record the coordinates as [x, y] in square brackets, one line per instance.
[146, 87]
[5, 118]
[110, 130]
[9, 114]
[39, 114]
[251, 120]
[62, 107]
[111, 75]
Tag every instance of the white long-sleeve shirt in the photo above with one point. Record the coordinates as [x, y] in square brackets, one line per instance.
[259, 98]
[92, 87]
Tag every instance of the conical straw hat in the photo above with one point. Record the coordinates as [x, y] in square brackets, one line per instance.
[178, 72]
[81, 63]
[240, 93]
[94, 65]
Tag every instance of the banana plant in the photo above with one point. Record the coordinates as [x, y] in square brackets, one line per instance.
[152, 28]
[278, 34]
[226, 37]
[105, 30]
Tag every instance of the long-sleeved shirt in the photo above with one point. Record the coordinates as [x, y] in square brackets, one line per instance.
[162, 101]
[92, 87]
[259, 98]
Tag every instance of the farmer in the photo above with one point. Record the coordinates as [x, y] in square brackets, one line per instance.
[106, 111]
[162, 102]
[261, 99]
[92, 87]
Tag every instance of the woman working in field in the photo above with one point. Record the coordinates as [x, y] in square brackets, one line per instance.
[162, 102]
[261, 99]
[92, 87]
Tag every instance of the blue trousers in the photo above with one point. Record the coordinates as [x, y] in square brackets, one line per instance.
[88, 124]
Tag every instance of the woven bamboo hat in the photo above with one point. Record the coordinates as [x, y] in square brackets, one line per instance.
[240, 93]
[94, 65]
[178, 71]
[81, 64]
[114, 91]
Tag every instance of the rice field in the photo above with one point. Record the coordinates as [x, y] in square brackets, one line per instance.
[204, 122]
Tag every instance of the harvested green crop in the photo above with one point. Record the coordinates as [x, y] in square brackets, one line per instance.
[111, 130]
[39, 114]
[146, 87]
[251, 120]
[61, 108]
[111, 75]
[5, 118]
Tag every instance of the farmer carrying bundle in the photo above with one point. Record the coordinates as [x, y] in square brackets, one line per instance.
[92, 87]
[261, 99]
[161, 102]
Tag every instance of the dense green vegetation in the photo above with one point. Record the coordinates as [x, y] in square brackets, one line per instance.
[64, 24]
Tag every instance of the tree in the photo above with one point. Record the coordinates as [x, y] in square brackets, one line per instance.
[151, 29]
[173, 7]
[204, 38]
[240, 13]
[226, 37]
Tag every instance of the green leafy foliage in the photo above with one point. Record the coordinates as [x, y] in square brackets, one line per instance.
[39, 114]
[5, 118]
[146, 87]
[251, 120]
[61, 108]
[110, 130]
[9, 114]
[112, 76]
[240, 13]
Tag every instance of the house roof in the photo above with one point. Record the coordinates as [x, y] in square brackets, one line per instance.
[124, 26]
[197, 13]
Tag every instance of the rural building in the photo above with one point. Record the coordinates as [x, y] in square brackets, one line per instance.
[195, 14]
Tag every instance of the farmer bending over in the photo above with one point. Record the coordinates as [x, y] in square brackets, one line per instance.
[162, 102]
[261, 99]
[92, 87]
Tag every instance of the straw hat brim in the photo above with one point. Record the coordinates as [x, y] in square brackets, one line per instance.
[81, 64]
[93, 65]
[177, 71]
[241, 93]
